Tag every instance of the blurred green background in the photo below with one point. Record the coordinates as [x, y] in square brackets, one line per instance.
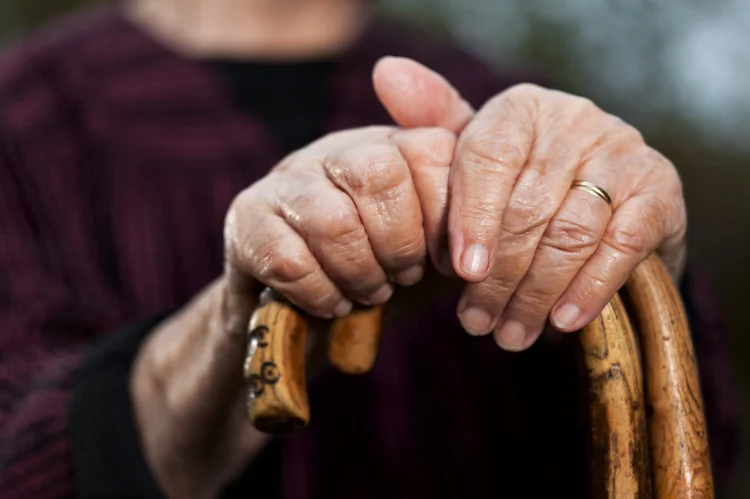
[678, 70]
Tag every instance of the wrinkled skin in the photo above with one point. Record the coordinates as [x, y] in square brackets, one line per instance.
[527, 243]
[341, 220]
[484, 196]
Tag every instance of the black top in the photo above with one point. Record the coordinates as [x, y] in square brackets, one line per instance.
[291, 99]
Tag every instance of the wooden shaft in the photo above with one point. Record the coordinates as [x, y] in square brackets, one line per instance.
[618, 445]
[677, 427]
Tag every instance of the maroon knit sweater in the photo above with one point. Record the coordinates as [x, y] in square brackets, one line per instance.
[118, 160]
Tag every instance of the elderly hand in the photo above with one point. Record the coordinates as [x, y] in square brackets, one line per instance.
[531, 245]
[340, 220]
[336, 222]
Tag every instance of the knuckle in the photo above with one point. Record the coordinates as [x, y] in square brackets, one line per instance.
[488, 154]
[630, 239]
[500, 287]
[671, 180]
[231, 234]
[372, 170]
[570, 236]
[674, 182]
[299, 205]
[524, 221]
[275, 262]
[443, 137]
[582, 116]
[353, 262]
[621, 139]
[528, 211]
[533, 301]
[441, 144]
[479, 214]
[321, 298]
[238, 243]
[384, 195]
[383, 178]
[678, 222]
[327, 216]
[590, 285]
[630, 133]
[347, 236]
[584, 105]
[526, 97]
[411, 248]
[665, 191]
[525, 90]
[337, 222]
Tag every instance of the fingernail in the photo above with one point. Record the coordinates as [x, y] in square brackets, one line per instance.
[566, 316]
[476, 321]
[512, 336]
[410, 276]
[343, 308]
[475, 259]
[382, 295]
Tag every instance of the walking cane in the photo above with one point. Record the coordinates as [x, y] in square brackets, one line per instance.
[648, 432]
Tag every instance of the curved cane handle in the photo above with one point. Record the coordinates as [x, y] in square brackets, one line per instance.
[677, 422]
[275, 363]
[353, 340]
[618, 443]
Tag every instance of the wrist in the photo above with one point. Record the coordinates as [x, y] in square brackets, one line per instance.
[188, 404]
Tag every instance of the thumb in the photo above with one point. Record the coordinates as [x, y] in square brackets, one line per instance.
[416, 96]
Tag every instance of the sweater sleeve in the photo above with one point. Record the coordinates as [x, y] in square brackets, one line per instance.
[109, 462]
[34, 450]
[35, 373]
[52, 307]
[107, 457]
[66, 425]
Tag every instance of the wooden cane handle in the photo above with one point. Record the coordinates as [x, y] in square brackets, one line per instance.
[677, 424]
[275, 366]
[353, 340]
[618, 442]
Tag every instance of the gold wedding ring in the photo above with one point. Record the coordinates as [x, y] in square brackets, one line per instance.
[592, 189]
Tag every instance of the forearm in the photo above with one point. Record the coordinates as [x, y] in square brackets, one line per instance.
[189, 402]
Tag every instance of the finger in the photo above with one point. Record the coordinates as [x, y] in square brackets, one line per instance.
[539, 191]
[263, 246]
[491, 152]
[568, 242]
[629, 238]
[329, 222]
[242, 290]
[666, 185]
[428, 153]
[415, 96]
[241, 298]
[376, 177]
